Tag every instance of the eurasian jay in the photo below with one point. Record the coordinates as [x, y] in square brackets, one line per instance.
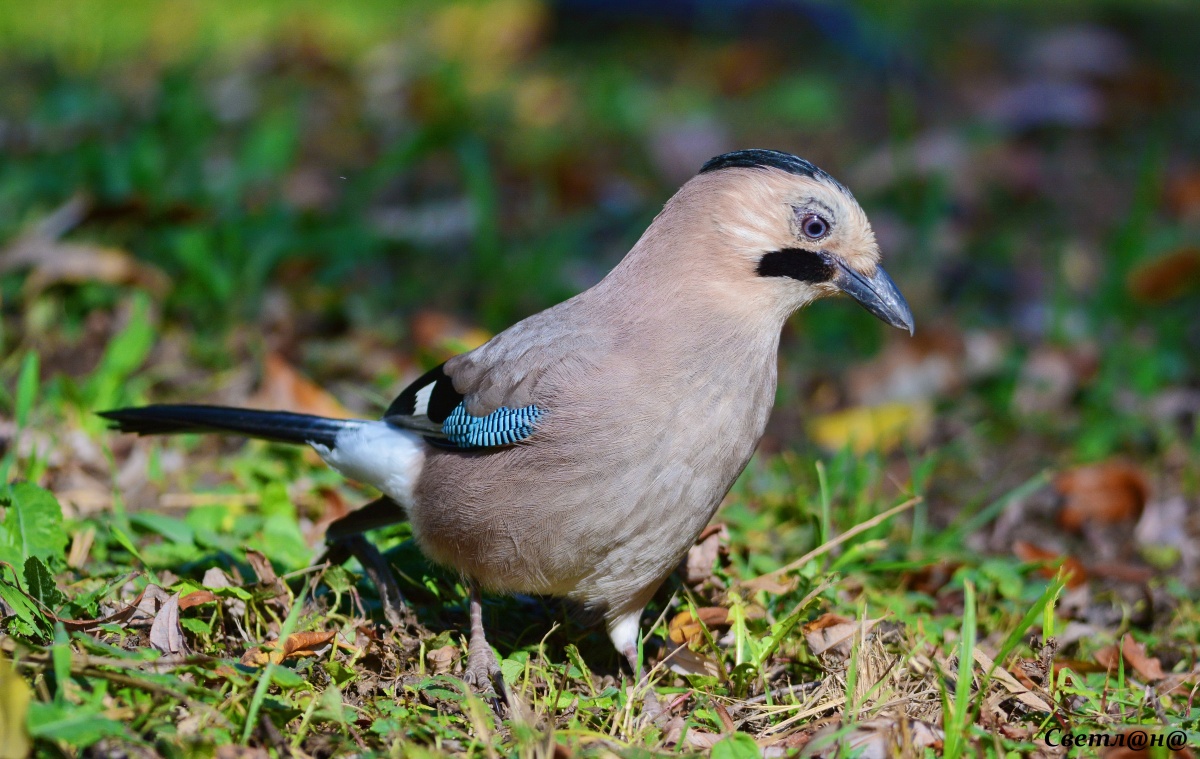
[580, 452]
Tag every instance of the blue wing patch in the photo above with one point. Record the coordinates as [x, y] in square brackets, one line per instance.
[434, 408]
[504, 426]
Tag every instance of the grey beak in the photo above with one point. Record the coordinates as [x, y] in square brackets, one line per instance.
[877, 294]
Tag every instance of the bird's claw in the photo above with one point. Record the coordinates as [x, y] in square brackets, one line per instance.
[483, 676]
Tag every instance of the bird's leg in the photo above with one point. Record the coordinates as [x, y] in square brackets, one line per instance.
[346, 535]
[483, 671]
[635, 662]
[377, 569]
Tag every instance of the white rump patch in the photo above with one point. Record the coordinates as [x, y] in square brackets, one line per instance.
[378, 454]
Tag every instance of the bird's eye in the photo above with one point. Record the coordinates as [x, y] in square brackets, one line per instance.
[814, 227]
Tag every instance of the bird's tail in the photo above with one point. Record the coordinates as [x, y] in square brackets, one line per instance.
[278, 426]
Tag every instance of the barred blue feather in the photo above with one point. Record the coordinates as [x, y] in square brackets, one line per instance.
[504, 426]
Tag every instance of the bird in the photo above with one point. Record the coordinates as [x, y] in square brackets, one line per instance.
[580, 452]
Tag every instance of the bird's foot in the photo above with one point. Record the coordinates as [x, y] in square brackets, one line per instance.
[483, 673]
[483, 670]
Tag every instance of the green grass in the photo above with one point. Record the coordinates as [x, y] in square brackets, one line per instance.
[230, 168]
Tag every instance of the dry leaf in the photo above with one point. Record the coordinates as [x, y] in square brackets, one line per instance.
[166, 634]
[684, 629]
[443, 335]
[1078, 666]
[52, 261]
[865, 429]
[441, 659]
[215, 577]
[285, 389]
[1167, 277]
[1105, 493]
[878, 738]
[1073, 569]
[1148, 668]
[835, 634]
[1006, 679]
[685, 661]
[150, 600]
[79, 263]
[698, 565]
[701, 739]
[262, 567]
[195, 598]
[931, 578]
[297, 645]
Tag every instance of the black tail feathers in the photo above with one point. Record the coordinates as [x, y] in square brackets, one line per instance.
[278, 426]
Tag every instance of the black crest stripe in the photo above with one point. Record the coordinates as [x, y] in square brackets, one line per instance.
[759, 158]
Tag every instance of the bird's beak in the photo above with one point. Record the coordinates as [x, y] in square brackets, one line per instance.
[877, 294]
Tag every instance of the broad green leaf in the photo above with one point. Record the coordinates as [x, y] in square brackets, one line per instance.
[196, 626]
[281, 528]
[338, 579]
[340, 673]
[70, 724]
[736, 746]
[124, 354]
[26, 618]
[39, 584]
[32, 526]
[174, 530]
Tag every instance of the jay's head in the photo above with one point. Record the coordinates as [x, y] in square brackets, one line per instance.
[776, 228]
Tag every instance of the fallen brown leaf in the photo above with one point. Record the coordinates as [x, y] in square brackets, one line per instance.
[698, 565]
[443, 335]
[1079, 666]
[166, 634]
[297, 645]
[1183, 194]
[931, 578]
[685, 661]
[1011, 684]
[1167, 277]
[1147, 667]
[51, 261]
[684, 629]
[196, 598]
[1107, 493]
[835, 634]
[1073, 569]
[262, 567]
[285, 389]
[441, 659]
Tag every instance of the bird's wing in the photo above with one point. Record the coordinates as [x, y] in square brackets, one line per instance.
[431, 405]
[496, 394]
